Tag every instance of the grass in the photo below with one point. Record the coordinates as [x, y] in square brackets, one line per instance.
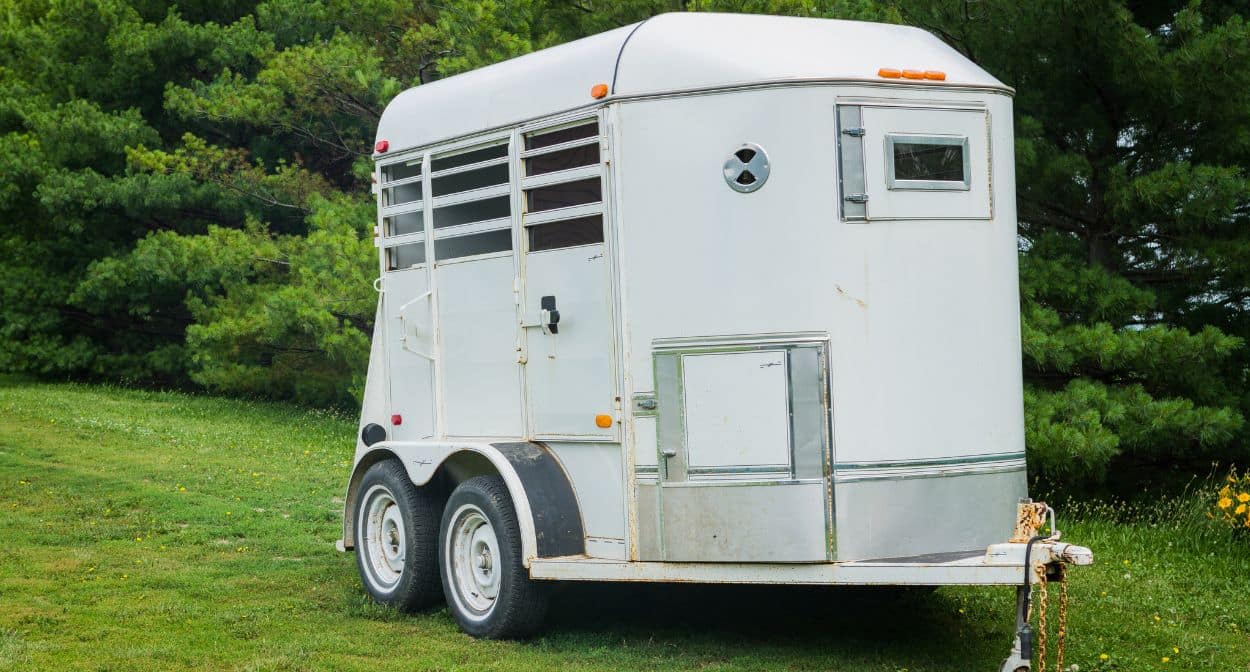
[143, 530]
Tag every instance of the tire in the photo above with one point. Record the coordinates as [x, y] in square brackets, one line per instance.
[396, 534]
[488, 590]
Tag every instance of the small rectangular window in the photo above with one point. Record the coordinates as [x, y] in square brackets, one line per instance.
[573, 157]
[564, 195]
[405, 256]
[566, 233]
[563, 135]
[465, 158]
[401, 171]
[404, 193]
[473, 179]
[499, 240]
[473, 211]
[409, 222]
[927, 162]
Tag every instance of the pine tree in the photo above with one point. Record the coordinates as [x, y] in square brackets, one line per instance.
[1133, 139]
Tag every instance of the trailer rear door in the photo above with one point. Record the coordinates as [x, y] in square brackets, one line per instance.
[566, 297]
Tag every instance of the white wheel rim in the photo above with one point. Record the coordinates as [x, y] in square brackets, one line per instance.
[473, 559]
[385, 544]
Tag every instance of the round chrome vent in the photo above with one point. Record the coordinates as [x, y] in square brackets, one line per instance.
[746, 169]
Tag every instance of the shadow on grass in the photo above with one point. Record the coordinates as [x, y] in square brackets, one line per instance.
[912, 622]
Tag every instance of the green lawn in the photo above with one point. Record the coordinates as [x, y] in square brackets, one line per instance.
[164, 531]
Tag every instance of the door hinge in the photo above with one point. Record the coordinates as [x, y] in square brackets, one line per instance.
[856, 132]
[856, 198]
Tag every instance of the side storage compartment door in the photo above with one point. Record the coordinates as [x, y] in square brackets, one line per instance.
[743, 440]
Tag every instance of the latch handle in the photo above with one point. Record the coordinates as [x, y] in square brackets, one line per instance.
[548, 315]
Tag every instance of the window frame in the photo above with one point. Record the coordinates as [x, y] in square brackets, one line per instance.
[894, 184]
[404, 241]
[501, 190]
[516, 188]
[529, 219]
[383, 239]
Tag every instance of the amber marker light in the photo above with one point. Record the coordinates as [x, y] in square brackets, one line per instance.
[598, 91]
[603, 421]
[936, 75]
[913, 74]
[890, 73]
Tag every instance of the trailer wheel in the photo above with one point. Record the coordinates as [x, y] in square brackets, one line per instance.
[488, 589]
[397, 538]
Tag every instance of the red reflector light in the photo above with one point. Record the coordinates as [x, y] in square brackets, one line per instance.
[381, 146]
[397, 419]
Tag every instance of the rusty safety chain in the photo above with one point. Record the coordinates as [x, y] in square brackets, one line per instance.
[1042, 605]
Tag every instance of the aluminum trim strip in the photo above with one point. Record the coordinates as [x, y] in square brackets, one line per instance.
[952, 471]
[481, 194]
[561, 176]
[559, 214]
[466, 167]
[571, 144]
[955, 459]
[472, 228]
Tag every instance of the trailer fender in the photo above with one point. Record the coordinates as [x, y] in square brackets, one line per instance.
[547, 511]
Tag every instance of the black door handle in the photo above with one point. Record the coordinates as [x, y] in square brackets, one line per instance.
[548, 306]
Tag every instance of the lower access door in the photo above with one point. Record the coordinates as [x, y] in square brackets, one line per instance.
[569, 373]
[743, 436]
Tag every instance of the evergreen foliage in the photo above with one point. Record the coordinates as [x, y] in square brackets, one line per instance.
[184, 196]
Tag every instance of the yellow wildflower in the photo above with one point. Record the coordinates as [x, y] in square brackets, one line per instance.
[1176, 650]
[1166, 659]
[1103, 656]
[1224, 502]
[1243, 497]
[1241, 508]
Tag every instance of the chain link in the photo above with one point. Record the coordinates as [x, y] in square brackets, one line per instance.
[1043, 605]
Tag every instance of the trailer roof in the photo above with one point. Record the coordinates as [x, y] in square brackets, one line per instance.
[665, 54]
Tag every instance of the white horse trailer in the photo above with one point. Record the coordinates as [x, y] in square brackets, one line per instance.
[710, 298]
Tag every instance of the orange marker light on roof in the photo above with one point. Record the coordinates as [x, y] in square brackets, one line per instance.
[603, 421]
[913, 74]
[891, 73]
[598, 90]
[937, 75]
